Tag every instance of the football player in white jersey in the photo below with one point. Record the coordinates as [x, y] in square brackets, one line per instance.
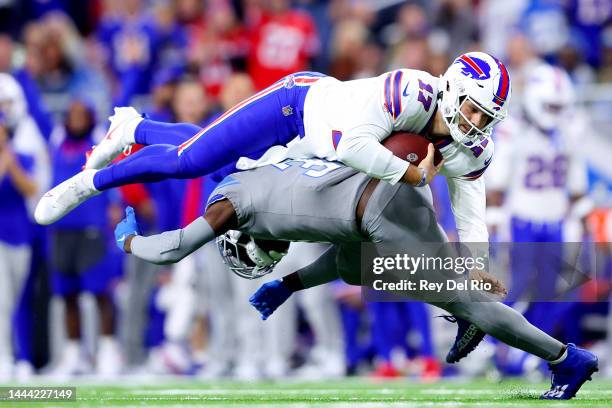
[537, 176]
[537, 164]
[308, 115]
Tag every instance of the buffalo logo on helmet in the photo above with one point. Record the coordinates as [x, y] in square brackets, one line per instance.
[474, 68]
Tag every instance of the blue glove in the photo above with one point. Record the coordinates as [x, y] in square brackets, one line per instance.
[269, 297]
[126, 227]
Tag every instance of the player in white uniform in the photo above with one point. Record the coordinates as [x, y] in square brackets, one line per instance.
[537, 165]
[537, 176]
[308, 115]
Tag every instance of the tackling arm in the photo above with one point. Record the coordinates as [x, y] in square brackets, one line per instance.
[172, 246]
[273, 294]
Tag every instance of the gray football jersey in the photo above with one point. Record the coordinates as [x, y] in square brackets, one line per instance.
[308, 200]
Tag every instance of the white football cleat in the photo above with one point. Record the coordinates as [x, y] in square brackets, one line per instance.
[60, 200]
[119, 136]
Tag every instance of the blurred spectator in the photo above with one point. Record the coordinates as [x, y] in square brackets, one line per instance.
[81, 259]
[521, 60]
[455, 22]
[283, 41]
[571, 57]
[191, 104]
[497, 21]
[173, 38]
[348, 46]
[545, 24]
[218, 47]
[131, 38]
[412, 23]
[16, 184]
[31, 92]
[190, 13]
[411, 53]
[55, 60]
[588, 20]
[164, 86]
[27, 138]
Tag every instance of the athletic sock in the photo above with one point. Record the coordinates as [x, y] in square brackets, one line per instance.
[561, 357]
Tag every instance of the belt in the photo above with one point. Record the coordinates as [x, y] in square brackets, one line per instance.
[363, 200]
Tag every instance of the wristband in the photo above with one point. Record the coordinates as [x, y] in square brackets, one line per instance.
[423, 181]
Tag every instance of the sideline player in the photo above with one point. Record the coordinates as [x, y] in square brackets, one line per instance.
[537, 181]
[315, 200]
[310, 115]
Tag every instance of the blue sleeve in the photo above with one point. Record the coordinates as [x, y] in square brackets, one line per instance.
[26, 162]
[36, 107]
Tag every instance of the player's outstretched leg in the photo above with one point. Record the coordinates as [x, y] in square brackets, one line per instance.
[570, 365]
[128, 127]
[577, 367]
[248, 129]
[65, 197]
[150, 164]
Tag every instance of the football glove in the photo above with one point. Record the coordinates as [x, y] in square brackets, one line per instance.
[126, 227]
[269, 297]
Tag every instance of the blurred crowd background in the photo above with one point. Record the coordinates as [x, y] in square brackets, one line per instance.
[71, 304]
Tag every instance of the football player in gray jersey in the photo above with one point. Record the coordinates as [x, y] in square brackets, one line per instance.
[320, 201]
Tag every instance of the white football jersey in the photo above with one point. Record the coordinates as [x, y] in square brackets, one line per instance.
[538, 172]
[347, 121]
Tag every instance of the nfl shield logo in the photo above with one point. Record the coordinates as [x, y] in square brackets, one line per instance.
[412, 157]
[289, 82]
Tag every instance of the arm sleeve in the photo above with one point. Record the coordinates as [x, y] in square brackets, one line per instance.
[361, 149]
[172, 246]
[468, 203]
[321, 271]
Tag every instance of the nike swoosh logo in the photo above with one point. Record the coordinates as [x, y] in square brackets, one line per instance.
[405, 93]
[122, 238]
[486, 163]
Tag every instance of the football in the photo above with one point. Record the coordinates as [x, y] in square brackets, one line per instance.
[410, 147]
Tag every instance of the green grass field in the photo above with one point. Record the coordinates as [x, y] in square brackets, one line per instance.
[353, 393]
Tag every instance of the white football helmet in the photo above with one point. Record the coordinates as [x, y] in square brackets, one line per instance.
[12, 100]
[484, 81]
[548, 96]
[244, 256]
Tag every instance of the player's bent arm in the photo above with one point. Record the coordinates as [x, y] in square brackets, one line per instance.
[363, 151]
[273, 294]
[319, 272]
[171, 246]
